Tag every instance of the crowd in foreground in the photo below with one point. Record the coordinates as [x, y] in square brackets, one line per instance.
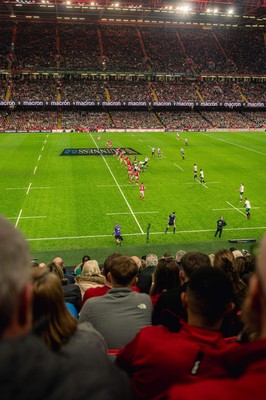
[145, 328]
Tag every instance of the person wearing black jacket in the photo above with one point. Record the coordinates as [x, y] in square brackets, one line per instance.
[220, 225]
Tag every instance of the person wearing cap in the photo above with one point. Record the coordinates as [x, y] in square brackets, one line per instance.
[220, 225]
[245, 364]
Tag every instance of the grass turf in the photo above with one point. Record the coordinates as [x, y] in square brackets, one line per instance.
[69, 205]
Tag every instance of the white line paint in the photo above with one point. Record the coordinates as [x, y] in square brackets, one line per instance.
[23, 188]
[28, 190]
[35, 169]
[41, 187]
[141, 234]
[140, 212]
[179, 167]
[47, 136]
[231, 209]
[234, 144]
[203, 184]
[35, 217]
[39, 157]
[119, 188]
[18, 218]
[241, 212]
[193, 183]
[141, 140]
[45, 141]
[128, 185]
[42, 148]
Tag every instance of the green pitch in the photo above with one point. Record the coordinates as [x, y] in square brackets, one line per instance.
[68, 205]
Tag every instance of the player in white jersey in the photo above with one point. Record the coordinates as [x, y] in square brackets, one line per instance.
[201, 174]
[241, 191]
[248, 207]
[195, 170]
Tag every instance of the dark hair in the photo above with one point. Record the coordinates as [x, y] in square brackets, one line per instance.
[192, 261]
[123, 270]
[166, 276]
[108, 261]
[209, 292]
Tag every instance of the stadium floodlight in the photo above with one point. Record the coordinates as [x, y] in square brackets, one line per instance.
[230, 11]
[215, 11]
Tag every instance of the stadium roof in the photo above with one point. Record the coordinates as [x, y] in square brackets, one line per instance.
[207, 12]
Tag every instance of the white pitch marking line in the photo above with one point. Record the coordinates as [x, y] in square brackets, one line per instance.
[236, 208]
[141, 140]
[45, 141]
[140, 212]
[17, 221]
[234, 144]
[47, 136]
[231, 209]
[119, 188]
[34, 217]
[140, 234]
[42, 148]
[128, 185]
[179, 167]
[35, 169]
[41, 187]
[203, 184]
[39, 157]
[24, 188]
[193, 183]
[28, 190]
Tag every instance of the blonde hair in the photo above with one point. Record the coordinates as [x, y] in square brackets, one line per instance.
[90, 268]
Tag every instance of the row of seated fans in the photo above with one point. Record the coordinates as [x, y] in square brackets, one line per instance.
[93, 121]
[193, 301]
[47, 46]
[72, 90]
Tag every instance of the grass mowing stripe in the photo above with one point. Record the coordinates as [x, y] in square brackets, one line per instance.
[119, 188]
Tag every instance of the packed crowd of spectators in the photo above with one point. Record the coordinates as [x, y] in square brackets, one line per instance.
[32, 121]
[176, 91]
[135, 120]
[254, 91]
[228, 120]
[164, 52]
[246, 50]
[79, 47]
[165, 320]
[121, 49]
[183, 120]
[35, 46]
[85, 121]
[46, 46]
[130, 91]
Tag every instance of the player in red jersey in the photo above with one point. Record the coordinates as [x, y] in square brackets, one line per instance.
[136, 177]
[130, 172]
[142, 191]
